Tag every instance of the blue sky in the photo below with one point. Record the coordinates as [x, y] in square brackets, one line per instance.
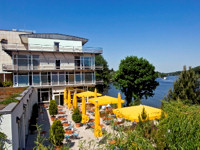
[165, 32]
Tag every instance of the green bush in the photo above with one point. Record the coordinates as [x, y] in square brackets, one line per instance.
[76, 116]
[7, 83]
[53, 109]
[56, 133]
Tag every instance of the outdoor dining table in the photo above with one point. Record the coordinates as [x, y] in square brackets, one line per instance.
[69, 132]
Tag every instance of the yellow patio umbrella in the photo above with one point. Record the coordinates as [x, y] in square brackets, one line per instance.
[83, 106]
[87, 94]
[69, 99]
[132, 113]
[95, 93]
[85, 118]
[119, 104]
[104, 100]
[97, 128]
[75, 100]
[65, 96]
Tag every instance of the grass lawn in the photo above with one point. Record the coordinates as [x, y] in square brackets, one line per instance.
[8, 95]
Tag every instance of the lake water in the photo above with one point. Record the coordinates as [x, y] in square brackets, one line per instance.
[160, 92]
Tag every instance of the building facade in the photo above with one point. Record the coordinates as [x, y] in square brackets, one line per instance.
[48, 62]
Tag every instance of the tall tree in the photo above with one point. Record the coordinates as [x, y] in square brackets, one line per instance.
[186, 88]
[102, 74]
[136, 79]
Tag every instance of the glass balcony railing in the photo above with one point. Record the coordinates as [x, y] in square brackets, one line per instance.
[11, 67]
[51, 48]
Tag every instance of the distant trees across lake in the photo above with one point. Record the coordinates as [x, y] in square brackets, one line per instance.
[177, 73]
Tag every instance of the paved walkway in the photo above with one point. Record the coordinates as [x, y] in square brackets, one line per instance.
[43, 122]
[86, 138]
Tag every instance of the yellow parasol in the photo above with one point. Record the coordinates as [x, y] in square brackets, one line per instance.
[65, 96]
[69, 99]
[97, 128]
[132, 113]
[119, 104]
[75, 100]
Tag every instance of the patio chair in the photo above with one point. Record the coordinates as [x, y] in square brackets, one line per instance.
[75, 135]
[67, 137]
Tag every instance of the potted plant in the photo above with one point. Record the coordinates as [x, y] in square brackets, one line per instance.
[56, 134]
[76, 117]
[53, 109]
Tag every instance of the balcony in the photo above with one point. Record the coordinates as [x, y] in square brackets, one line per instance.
[51, 48]
[11, 67]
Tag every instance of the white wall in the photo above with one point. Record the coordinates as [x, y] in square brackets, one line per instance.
[9, 124]
[48, 44]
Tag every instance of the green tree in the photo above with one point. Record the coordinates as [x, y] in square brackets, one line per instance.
[186, 88]
[56, 133]
[180, 128]
[136, 79]
[102, 74]
[53, 109]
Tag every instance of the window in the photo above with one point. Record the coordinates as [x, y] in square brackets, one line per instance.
[78, 78]
[36, 79]
[36, 62]
[71, 78]
[61, 78]
[54, 78]
[57, 64]
[67, 78]
[23, 79]
[88, 77]
[4, 41]
[23, 62]
[44, 78]
[56, 46]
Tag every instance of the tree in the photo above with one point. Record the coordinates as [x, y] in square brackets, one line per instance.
[56, 133]
[76, 116]
[136, 79]
[180, 128]
[186, 88]
[102, 74]
[53, 110]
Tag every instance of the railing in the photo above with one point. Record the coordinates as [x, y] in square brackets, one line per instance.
[51, 48]
[11, 67]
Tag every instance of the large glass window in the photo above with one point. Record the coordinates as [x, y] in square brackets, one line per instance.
[87, 62]
[67, 77]
[61, 78]
[44, 78]
[54, 78]
[23, 79]
[36, 62]
[71, 78]
[36, 79]
[23, 62]
[78, 78]
[88, 77]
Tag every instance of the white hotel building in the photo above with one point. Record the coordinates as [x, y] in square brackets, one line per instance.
[49, 62]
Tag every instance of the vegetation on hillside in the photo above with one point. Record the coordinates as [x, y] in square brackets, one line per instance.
[136, 78]
[186, 88]
[177, 73]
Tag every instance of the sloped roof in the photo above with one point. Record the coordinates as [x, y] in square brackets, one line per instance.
[54, 36]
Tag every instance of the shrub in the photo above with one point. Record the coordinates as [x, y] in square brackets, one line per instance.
[56, 133]
[53, 110]
[7, 83]
[76, 116]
